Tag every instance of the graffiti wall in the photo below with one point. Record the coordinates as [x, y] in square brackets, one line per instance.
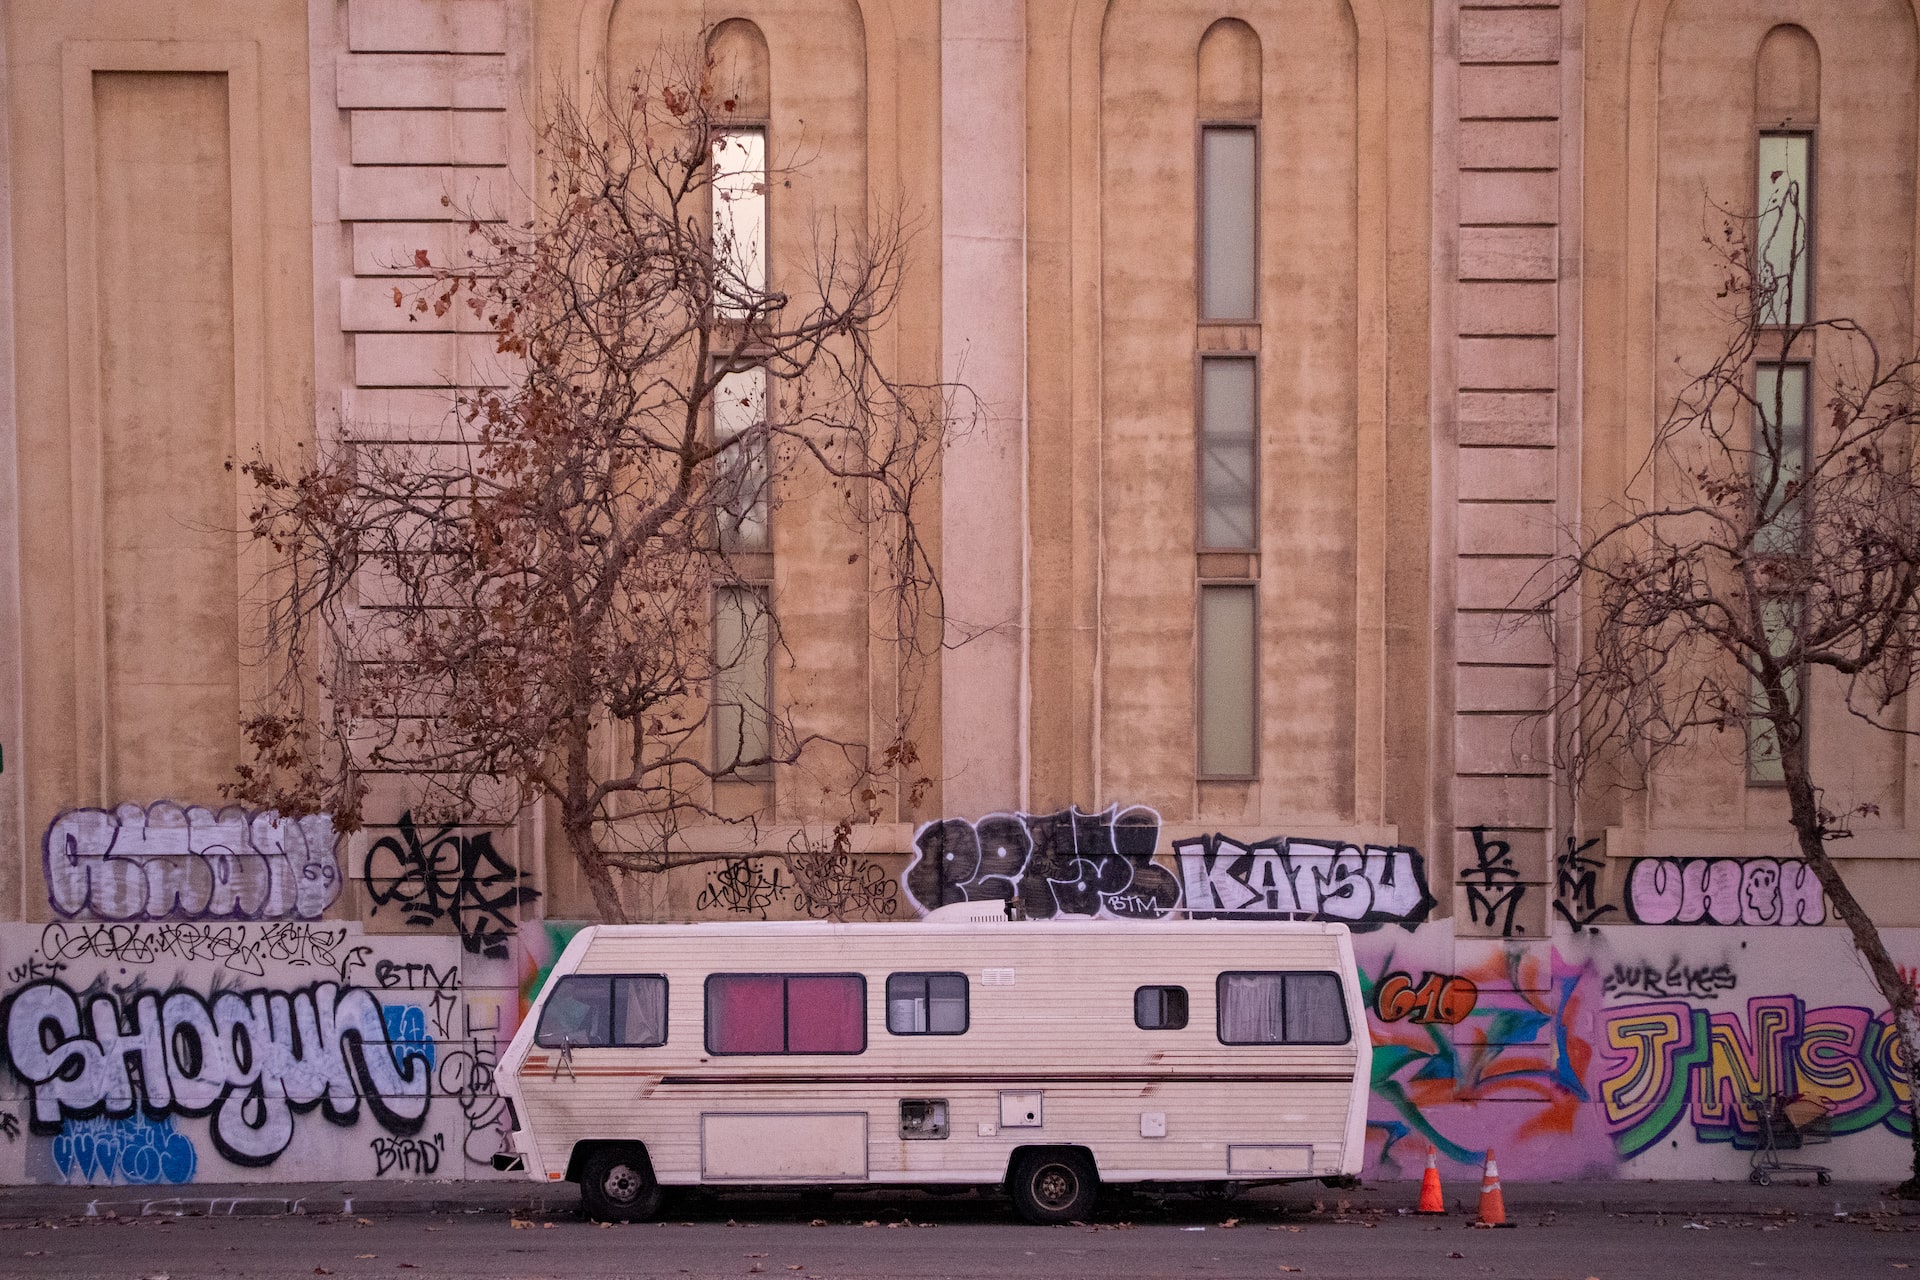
[174, 1053]
[222, 995]
[1637, 1052]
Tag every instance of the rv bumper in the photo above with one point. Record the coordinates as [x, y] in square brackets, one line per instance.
[509, 1162]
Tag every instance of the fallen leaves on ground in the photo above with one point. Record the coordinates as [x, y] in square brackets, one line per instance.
[366, 1255]
[1231, 1223]
[518, 1224]
[818, 1222]
[322, 1271]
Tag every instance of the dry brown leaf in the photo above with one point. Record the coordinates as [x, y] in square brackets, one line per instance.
[1230, 1223]
[871, 1222]
[818, 1222]
[366, 1255]
[322, 1271]
[518, 1224]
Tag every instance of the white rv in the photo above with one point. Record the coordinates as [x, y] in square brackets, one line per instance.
[1048, 1057]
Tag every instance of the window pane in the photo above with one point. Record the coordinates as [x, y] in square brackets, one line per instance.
[1229, 461]
[826, 1013]
[746, 1013]
[575, 1015]
[739, 219]
[1780, 617]
[1316, 1009]
[741, 716]
[739, 407]
[639, 1011]
[1160, 1008]
[1779, 454]
[1252, 1008]
[947, 1004]
[1226, 681]
[1227, 224]
[1786, 216]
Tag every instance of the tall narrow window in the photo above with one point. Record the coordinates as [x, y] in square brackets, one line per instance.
[1229, 457]
[1228, 680]
[742, 682]
[1228, 222]
[1779, 462]
[1784, 230]
[739, 410]
[739, 219]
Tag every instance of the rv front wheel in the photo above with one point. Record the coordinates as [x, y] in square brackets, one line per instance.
[617, 1185]
[1051, 1187]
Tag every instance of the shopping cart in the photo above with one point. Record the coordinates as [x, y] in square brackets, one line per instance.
[1788, 1123]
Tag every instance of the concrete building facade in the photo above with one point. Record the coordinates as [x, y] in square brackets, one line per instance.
[1304, 332]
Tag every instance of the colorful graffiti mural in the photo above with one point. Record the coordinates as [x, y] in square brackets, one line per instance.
[1498, 1056]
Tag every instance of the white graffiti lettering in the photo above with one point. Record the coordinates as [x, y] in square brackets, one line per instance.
[249, 1059]
[186, 862]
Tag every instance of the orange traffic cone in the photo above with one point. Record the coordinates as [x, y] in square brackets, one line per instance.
[1430, 1198]
[1493, 1205]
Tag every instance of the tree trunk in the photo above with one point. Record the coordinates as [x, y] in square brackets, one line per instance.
[606, 894]
[1899, 994]
[576, 819]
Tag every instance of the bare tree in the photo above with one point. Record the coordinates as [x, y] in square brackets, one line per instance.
[568, 606]
[1766, 557]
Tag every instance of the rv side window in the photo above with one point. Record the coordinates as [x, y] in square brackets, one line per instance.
[786, 1013]
[1160, 1008]
[597, 1011]
[1282, 1008]
[927, 1004]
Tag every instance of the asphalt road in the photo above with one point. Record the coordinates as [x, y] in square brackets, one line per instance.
[779, 1238]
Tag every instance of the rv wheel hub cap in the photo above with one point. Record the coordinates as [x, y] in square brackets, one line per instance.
[622, 1184]
[1054, 1185]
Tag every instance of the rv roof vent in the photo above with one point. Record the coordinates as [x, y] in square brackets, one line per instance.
[992, 911]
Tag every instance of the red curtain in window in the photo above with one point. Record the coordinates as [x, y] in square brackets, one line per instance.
[745, 1013]
[826, 1013]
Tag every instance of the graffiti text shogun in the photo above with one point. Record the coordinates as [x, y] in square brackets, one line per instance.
[1076, 863]
[186, 862]
[248, 1059]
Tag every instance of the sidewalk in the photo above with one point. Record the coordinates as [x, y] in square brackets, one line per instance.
[561, 1200]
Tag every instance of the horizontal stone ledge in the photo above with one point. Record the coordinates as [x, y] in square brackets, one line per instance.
[440, 26]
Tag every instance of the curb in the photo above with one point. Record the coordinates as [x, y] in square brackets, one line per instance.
[39, 1208]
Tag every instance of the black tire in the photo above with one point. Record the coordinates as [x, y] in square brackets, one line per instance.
[1759, 1178]
[1052, 1187]
[1823, 1178]
[617, 1185]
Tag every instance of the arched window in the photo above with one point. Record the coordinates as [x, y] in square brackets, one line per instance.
[1786, 111]
[1228, 106]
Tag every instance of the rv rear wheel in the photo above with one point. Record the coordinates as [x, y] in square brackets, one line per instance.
[1051, 1187]
[617, 1185]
